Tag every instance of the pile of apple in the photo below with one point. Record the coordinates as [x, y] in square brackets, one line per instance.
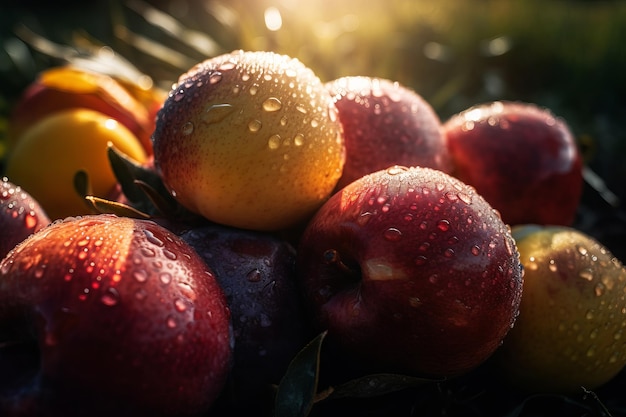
[261, 207]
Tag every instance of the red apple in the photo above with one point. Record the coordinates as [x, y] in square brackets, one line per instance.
[521, 158]
[411, 270]
[120, 317]
[386, 124]
[20, 216]
[257, 273]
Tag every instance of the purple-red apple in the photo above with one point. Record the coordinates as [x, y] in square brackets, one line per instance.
[120, 317]
[386, 124]
[250, 140]
[257, 273]
[571, 329]
[411, 270]
[521, 158]
[20, 216]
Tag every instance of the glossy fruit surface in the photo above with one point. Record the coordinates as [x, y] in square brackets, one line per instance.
[570, 332]
[521, 158]
[50, 153]
[62, 88]
[121, 317]
[411, 270]
[250, 139]
[257, 273]
[20, 216]
[386, 124]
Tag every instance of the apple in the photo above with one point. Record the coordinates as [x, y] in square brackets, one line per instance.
[50, 153]
[69, 87]
[20, 216]
[411, 270]
[250, 140]
[521, 158]
[103, 315]
[256, 270]
[571, 331]
[385, 124]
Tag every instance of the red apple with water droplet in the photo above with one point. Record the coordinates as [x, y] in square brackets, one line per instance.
[386, 124]
[104, 315]
[523, 159]
[256, 270]
[20, 216]
[410, 270]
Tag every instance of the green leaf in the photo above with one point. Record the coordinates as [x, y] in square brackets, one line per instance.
[378, 384]
[298, 387]
[102, 205]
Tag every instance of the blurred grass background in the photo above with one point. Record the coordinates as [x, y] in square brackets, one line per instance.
[567, 55]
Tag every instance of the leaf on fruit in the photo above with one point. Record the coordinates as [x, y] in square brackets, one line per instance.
[298, 387]
[379, 384]
[102, 205]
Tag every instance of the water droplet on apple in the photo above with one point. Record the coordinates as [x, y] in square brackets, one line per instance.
[217, 112]
[152, 238]
[171, 323]
[415, 302]
[272, 104]
[254, 125]
[141, 294]
[110, 297]
[179, 95]
[140, 275]
[254, 88]
[443, 225]
[392, 234]
[274, 142]
[448, 253]
[187, 129]
[147, 252]
[298, 140]
[599, 289]
[254, 275]
[180, 305]
[39, 271]
[30, 220]
[421, 260]
[169, 254]
[396, 170]
[586, 274]
[215, 78]
[165, 277]
[475, 250]
[552, 265]
[301, 108]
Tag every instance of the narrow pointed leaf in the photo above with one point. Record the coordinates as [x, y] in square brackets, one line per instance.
[378, 384]
[297, 390]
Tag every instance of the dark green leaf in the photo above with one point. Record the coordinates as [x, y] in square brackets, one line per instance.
[298, 387]
[378, 384]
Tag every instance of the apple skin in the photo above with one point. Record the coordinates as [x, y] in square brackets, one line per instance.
[521, 158]
[410, 270]
[20, 216]
[570, 331]
[122, 318]
[250, 140]
[67, 87]
[386, 124]
[256, 270]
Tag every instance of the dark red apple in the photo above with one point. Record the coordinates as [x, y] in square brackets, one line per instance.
[105, 315]
[521, 158]
[411, 270]
[20, 216]
[257, 273]
[386, 124]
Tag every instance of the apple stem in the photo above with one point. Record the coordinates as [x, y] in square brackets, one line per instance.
[331, 256]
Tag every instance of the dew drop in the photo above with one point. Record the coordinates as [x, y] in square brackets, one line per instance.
[392, 234]
[415, 302]
[421, 260]
[30, 220]
[140, 275]
[448, 253]
[180, 305]
[274, 142]
[272, 104]
[599, 289]
[443, 225]
[301, 109]
[475, 250]
[586, 274]
[254, 125]
[217, 112]
[187, 129]
[171, 323]
[169, 254]
[253, 89]
[39, 271]
[552, 265]
[152, 238]
[165, 277]
[396, 170]
[215, 78]
[141, 294]
[298, 140]
[110, 297]
[254, 275]
[148, 253]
